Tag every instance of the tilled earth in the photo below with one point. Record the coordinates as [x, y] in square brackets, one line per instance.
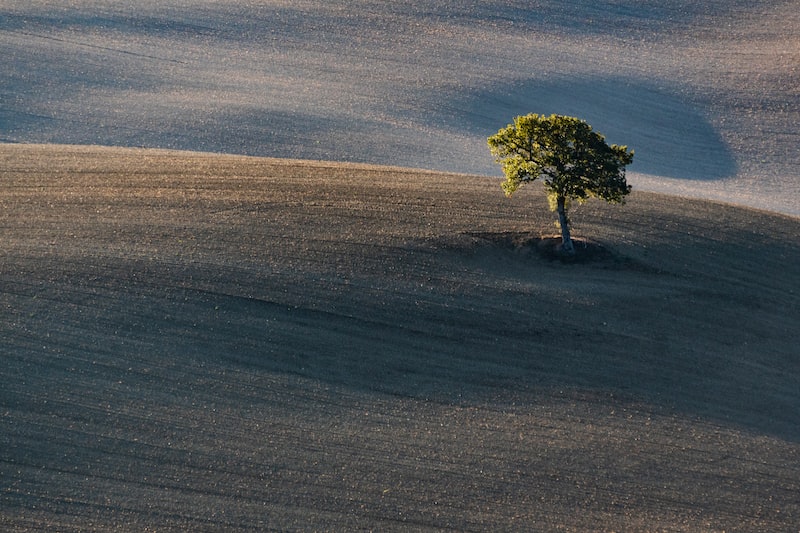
[200, 342]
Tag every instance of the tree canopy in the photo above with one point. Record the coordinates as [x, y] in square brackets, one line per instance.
[574, 162]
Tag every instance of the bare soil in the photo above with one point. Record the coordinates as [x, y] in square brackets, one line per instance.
[194, 342]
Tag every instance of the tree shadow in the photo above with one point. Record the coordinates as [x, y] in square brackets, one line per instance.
[669, 134]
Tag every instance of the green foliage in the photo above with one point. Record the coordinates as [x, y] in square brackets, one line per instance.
[574, 161]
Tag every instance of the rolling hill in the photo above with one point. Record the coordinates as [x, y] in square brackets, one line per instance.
[203, 342]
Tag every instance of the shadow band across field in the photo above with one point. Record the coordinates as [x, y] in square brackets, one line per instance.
[194, 341]
[135, 79]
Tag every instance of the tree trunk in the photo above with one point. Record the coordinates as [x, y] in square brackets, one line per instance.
[566, 241]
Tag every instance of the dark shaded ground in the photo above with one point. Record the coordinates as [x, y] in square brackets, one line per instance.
[195, 342]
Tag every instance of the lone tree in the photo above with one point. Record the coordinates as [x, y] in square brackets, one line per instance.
[574, 161]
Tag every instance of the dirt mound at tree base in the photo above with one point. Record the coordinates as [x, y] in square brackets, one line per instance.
[586, 251]
[528, 246]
